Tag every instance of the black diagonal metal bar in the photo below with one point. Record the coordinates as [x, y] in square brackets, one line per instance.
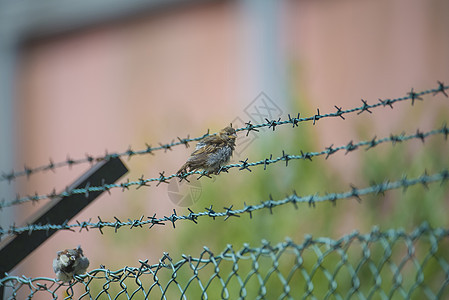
[59, 210]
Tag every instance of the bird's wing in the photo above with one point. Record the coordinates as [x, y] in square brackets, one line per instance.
[199, 156]
[202, 152]
[211, 139]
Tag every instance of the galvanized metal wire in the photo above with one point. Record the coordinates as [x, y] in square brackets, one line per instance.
[390, 264]
[411, 96]
[229, 212]
[241, 166]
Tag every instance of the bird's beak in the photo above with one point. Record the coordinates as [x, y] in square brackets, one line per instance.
[234, 136]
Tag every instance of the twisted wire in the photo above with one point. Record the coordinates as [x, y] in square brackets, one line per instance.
[243, 165]
[411, 96]
[229, 212]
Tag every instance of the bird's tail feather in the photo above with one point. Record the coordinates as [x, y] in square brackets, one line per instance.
[183, 169]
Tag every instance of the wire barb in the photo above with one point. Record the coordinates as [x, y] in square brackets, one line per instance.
[441, 89]
[250, 127]
[339, 112]
[294, 121]
[273, 123]
[386, 102]
[365, 107]
[317, 116]
[414, 96]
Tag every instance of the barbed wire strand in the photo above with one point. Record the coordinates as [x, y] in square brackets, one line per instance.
[229, 212]
[243, 165]
[412, 96]
[396, 247]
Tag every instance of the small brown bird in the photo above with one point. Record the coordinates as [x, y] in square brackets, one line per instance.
[212, 152]
[70, 262]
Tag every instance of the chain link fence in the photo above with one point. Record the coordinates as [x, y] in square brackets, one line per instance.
[388, 264]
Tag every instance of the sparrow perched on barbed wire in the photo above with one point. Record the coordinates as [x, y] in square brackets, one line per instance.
[212, 152]
[70, 262]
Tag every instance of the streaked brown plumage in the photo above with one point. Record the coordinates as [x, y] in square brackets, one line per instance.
[211, 153]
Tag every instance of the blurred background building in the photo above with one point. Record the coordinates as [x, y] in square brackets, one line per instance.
[81, 77]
